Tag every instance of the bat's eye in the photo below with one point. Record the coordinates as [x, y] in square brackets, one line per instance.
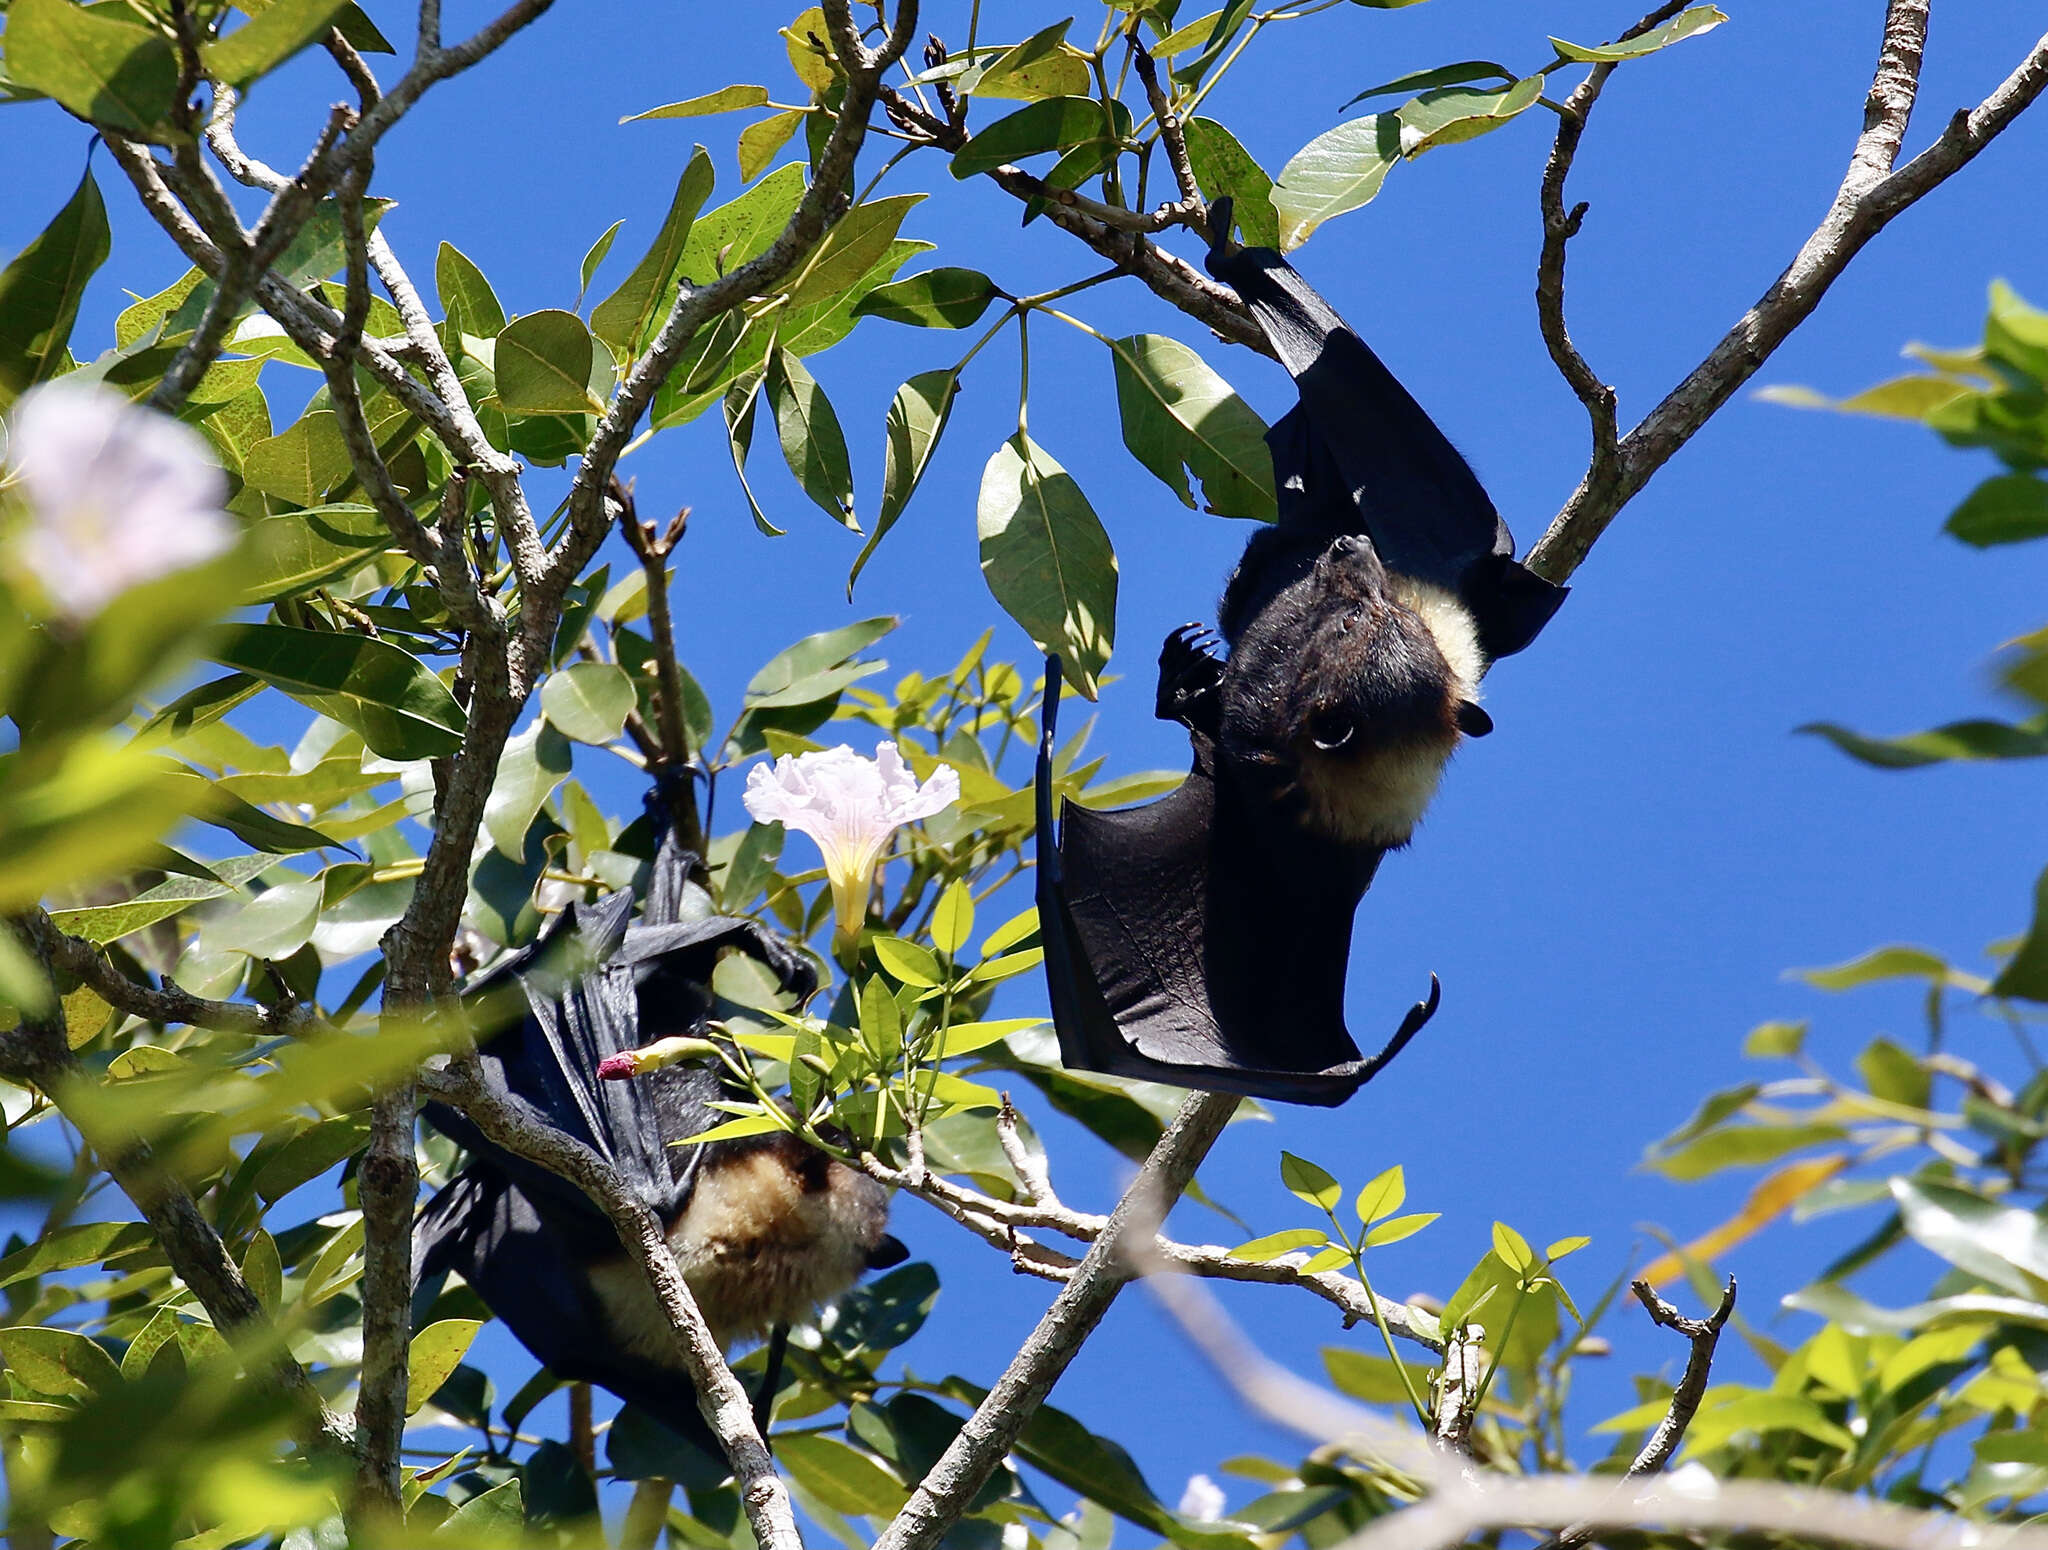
[1330, 730]
[1351, 618]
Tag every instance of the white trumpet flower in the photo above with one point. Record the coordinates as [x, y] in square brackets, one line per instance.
[851, 806]
[113, 495]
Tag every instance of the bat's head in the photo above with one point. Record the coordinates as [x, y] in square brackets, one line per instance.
[1357, 682]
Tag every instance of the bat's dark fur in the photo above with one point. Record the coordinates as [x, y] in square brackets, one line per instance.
[765, 1229]
[1202, 939]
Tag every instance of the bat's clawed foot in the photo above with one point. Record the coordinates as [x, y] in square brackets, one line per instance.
[1411, 1025]
[1189, 674]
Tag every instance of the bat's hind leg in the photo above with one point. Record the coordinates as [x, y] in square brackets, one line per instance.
[1190, 675]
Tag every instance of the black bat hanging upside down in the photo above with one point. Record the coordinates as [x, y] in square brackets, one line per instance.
[1202, 939]
[765, 1229]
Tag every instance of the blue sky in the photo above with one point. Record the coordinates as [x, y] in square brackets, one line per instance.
[1612, 886]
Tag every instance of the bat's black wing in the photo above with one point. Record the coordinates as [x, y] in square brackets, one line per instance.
[594, 985]
[1358, 454]
[1182, 946]
[513, 1253]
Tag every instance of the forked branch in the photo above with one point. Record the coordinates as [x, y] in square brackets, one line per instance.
[1873, 190]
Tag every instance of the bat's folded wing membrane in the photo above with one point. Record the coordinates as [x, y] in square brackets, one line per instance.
[1178, 949]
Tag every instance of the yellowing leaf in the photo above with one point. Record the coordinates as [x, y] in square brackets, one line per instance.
[1772, 1198]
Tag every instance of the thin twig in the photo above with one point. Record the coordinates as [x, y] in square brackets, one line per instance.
[653, 550]
[1703, 1334]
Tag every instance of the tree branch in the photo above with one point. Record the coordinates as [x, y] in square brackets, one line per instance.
[1003, 1225]
[652, 550]
[986, 1438]
[82, 960]
[1704, 1334]
[719, 1395]
[1871, 194]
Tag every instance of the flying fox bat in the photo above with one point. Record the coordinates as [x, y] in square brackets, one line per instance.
[1202, 939]
[764, 1229]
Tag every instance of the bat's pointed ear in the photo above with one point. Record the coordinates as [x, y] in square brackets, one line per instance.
[1473, 721]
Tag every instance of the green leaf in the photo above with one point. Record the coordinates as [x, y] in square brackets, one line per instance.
[812, 443]
[543, 364]
[908, 963]
[303, 463]
[741, 400]
[433, 1356]
[1878, 965]
[1221, 31]
[311, 1153]
[467, 299]
[299, 550]
[938, 298]
[1372, 1378]
[1513, 1249]
[2025, 975]
[1774, 1041]
[752, 865]
[761, 140]
[1688, 23]
[843, 1478]
[497, 1517]
[1739, 1146]
[1894, 1074]
[881, 1022]
[1308, 1182]
[113, 72]
[83, 1243]
[1047, 560]
[594, 258]
[725, 100]
[1460, 74]
[1224, 167]
[2003, 1244]
[589, 701]
[275, 924]
[264, 1272]
[801, 669]
[58, 1361]
[1395, 1228]
[1275, 1244]
[268, 39]
[628, 318]
[1383, 1196]
[2008, 509]
[1176, 411]
[953, 918]
[917, 419]
[1956, 741]
[383, 693]
[41, 289]
[1338, 171]
[110, 922]
[1054, 124]
[1452, 114]
[532, 765]
[852, 248]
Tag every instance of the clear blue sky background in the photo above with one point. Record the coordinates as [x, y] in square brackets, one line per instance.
[1612, 886]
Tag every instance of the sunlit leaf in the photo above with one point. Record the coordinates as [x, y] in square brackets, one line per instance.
[41, 289]
[1046, 558]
